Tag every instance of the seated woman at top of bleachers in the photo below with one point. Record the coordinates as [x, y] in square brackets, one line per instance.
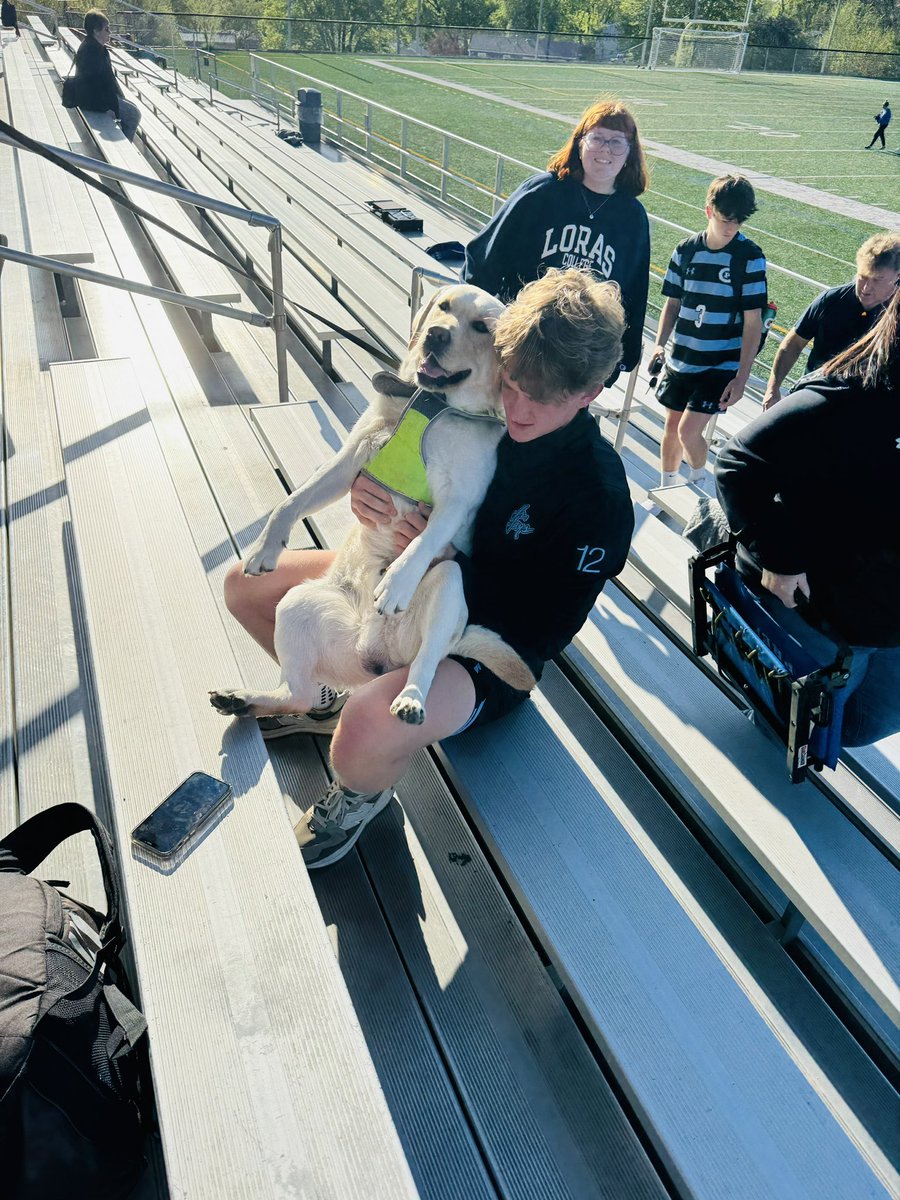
[97, 88]
[9, 18]
[810, 491]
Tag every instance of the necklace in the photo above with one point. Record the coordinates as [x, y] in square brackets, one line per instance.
[591, 214]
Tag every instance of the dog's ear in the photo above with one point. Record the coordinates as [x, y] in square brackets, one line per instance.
[422, 315]
[386, 383]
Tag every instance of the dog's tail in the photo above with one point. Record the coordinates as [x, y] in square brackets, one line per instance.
[489, 648]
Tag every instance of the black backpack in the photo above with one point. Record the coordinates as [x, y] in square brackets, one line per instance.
[739, 259]
[71, 1120]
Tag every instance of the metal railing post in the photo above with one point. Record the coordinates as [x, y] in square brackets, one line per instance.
[404, 147]
[498, 185]
[445, 166]
[279, 320]
[625, 414]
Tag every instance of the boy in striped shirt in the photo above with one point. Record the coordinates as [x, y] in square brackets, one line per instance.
[716, 295]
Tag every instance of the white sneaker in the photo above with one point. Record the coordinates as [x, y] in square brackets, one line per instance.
[317, 720]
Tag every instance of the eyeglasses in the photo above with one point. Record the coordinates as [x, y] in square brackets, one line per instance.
[617, 145]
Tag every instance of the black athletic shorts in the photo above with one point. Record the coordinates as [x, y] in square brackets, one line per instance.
[696, 391]
[493, 697]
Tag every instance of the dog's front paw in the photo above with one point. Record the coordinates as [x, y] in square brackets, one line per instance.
[231, 704]
[395, 590]
[409, 708]
[262, 556]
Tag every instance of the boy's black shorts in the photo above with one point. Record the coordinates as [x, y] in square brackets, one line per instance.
[696, 391]
[493, 697]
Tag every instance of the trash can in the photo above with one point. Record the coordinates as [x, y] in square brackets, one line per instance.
[310, 115]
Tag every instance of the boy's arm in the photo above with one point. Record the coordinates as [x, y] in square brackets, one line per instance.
[749, 349]
[788, 353]
[667, 319]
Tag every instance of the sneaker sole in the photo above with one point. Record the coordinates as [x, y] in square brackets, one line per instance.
[352, 840]
[324, 728]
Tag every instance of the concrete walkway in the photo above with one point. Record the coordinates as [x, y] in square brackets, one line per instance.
[870, 214]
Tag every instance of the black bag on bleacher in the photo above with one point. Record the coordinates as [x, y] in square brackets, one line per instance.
[71, 1121]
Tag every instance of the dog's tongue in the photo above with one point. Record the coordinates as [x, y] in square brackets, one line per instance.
[432, 368]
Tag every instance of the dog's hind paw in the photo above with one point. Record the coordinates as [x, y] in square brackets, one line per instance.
[230, 704]
[408, 709]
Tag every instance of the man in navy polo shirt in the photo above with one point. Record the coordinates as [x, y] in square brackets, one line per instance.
[883, 119]
[840, 316]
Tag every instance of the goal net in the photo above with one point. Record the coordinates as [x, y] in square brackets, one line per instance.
[697, 49]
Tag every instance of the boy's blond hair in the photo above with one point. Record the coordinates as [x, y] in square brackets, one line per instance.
[880, 252]
[562, 335]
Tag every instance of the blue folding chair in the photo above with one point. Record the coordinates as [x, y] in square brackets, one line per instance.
[799, 696]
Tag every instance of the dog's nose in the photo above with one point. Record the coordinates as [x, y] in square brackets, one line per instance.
[437, 339]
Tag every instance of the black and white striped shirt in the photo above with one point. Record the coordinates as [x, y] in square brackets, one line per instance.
[707, 336]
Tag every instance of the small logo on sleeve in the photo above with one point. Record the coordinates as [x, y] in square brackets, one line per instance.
[517, 524]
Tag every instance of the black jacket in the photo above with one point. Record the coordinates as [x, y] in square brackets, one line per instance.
[547, 223]
[556, 523]
[97, 87]
[811, 486]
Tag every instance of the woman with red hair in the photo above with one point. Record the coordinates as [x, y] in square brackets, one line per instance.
[582, 212]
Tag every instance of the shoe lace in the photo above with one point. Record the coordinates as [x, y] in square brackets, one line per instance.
[331, 807]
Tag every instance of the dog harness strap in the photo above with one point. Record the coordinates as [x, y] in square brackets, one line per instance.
[400, 463]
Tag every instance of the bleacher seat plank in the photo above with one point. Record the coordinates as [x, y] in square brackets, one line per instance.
[679, 501]
[548, 1120]
[836, 878]
[745, 1081]
[194, 274]
[246, 242]
[430, 1114]
[254, 1049]
[53, 227]
[311, 227]
[42, 679]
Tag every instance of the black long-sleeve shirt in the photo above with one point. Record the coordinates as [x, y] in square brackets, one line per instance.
[98, 88]
[546, 223]
[811, 487]
[556, 523]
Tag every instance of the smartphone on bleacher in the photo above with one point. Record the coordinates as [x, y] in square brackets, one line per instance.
[183, 818]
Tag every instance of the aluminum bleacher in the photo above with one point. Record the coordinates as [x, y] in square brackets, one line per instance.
[557, 988]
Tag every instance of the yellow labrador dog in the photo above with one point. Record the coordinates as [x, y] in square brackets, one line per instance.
[373, 612]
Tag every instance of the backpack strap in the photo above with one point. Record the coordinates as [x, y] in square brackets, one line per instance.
[27, 846]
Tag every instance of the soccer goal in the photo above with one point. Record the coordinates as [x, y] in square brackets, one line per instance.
[698, 49]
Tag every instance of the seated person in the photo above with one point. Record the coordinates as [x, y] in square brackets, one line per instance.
[809, 489]
[9, 18]
[96, 86]
[556, 523]
[841, 315]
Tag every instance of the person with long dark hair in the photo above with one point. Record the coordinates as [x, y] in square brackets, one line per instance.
[582, 212]
[810, 491]
[97, 88]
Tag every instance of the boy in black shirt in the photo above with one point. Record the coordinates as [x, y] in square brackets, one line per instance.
[555, 525]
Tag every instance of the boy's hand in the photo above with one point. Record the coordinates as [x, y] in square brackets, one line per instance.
[370, 503]
[411, 526]
[657, 359]
[785, 587]
[733, 392]
[771, 397]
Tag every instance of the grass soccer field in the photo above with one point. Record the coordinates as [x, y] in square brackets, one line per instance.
[808, 129]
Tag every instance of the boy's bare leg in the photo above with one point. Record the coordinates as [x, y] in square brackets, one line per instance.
[252, 599]
[693, 443]
[670, 449]
[371, 749]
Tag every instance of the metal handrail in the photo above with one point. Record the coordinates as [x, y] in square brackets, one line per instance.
[278, 319]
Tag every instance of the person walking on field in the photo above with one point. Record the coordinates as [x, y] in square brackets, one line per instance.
[884, 119]
[716, 295]
[841, 315]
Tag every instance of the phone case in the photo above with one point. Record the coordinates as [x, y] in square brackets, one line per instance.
[184, 815]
